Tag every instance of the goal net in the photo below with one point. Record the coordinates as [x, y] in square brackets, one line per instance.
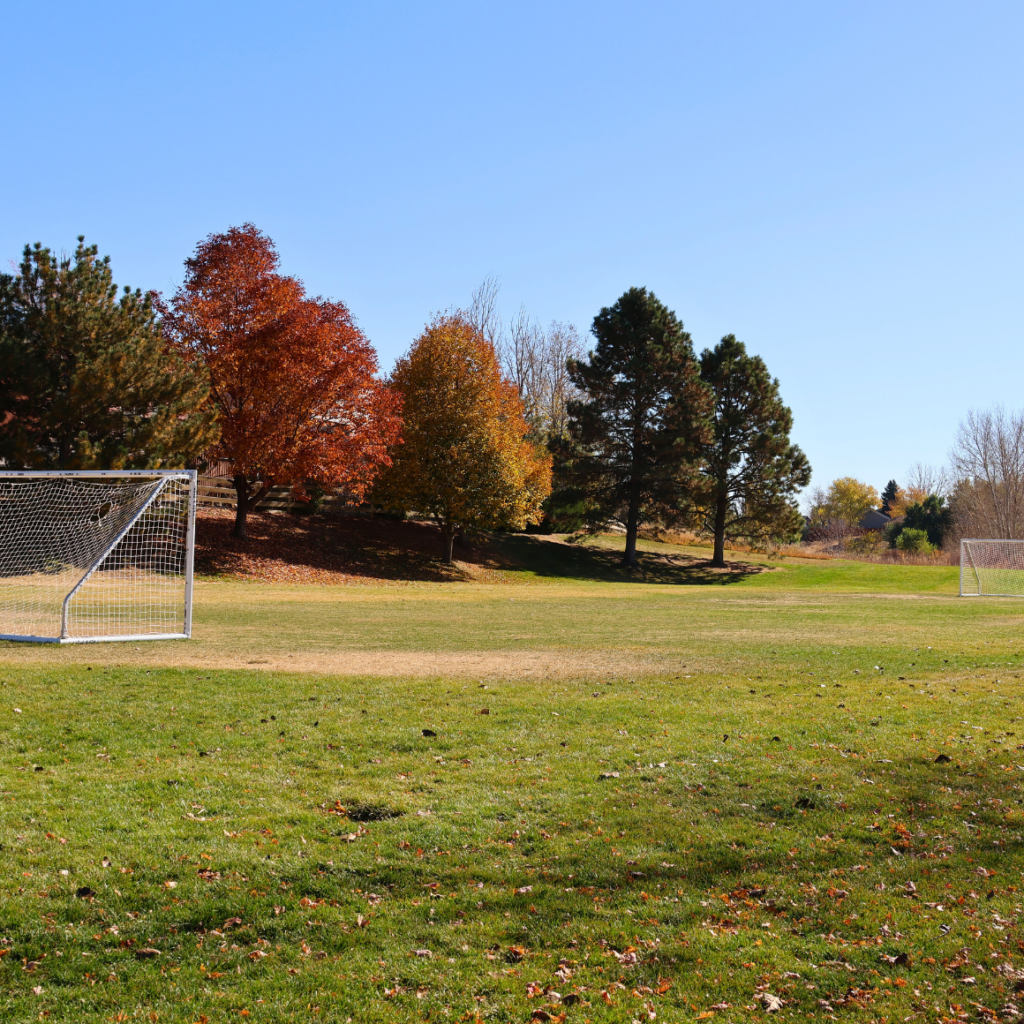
[993, 568]
[103, 555]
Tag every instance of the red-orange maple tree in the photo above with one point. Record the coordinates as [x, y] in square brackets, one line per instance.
[292, 376]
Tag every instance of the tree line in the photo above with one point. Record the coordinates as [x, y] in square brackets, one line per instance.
[480, 425]
[980, 494]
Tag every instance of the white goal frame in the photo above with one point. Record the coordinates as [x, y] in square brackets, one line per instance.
[183, 568]
[976, 578]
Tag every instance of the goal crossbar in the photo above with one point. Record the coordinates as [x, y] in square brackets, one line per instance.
[991, 568]
[96, 555]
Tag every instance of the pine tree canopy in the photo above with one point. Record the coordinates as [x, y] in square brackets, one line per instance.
[753, 470]
[636, 431]
[86, 378]
[890, 495]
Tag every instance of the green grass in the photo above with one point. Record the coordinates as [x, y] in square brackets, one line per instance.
[743, 817]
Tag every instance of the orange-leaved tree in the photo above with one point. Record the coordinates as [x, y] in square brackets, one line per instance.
[292, 376]
[464, 457]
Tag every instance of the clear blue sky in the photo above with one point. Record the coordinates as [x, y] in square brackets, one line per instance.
[839, 184]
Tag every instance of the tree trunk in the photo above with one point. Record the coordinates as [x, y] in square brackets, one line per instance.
[245, 502]
[632, 524]
[721, 507]
[241, 506]
[448, 537]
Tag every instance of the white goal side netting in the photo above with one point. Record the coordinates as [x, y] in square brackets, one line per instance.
[993, 568]
[88, 556]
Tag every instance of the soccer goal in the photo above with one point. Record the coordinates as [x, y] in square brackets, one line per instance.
[96, 555]
[992, 568]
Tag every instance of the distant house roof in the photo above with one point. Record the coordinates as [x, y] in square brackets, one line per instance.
[874, 519]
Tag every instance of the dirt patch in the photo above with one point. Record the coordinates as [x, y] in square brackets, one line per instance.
[395, 664]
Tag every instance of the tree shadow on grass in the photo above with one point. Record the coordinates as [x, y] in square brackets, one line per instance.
[551, 557]
[330, 550]
[285, 548]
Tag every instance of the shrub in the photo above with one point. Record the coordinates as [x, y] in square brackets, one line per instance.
[931, 515]
[868, 542]
[892, 533]
[911, 541]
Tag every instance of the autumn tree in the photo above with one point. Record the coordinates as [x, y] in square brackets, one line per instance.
[636, 432]
[752, 469]
[292, 377]
[922, 481]
[843, 503]
[87, 380]
[465, 458]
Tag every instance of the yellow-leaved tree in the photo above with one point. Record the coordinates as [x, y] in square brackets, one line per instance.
[463, 457]
[905, 497]
[845, 502]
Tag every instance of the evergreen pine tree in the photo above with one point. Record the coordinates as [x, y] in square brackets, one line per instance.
[636, 431]
[86, 378]
[889, 495]
[752, 468]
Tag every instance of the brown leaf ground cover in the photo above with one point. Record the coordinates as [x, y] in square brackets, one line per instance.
[335, 550]
[365, 550]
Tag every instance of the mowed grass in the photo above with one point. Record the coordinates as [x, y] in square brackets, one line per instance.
[755, 823]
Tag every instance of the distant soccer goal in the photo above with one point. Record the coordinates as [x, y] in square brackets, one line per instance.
[91, 556]
[992, 568]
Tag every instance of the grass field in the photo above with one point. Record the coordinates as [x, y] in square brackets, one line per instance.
[667, 797]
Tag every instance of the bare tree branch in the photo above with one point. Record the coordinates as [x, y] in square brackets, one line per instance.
[483, 310]
[988, 469]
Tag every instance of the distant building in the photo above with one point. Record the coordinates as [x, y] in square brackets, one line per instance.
[874, 519]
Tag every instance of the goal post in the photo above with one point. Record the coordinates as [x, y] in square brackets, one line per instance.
[96, 555]
[991, 568]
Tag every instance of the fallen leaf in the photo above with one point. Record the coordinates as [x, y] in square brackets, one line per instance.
[899, 960]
